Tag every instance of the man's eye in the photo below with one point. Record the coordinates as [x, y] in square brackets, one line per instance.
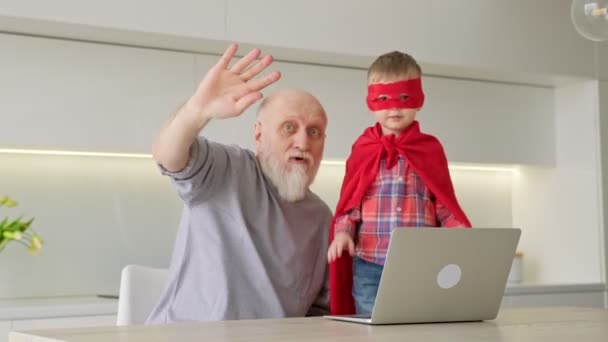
[403, 97]
[314, 132]
[289, 127]
[382, 98]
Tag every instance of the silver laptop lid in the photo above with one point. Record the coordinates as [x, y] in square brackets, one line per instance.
[444, 275]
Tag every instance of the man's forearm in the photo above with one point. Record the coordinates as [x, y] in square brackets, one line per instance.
[172, 145]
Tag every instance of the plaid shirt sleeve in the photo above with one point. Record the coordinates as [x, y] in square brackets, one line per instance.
[347, 222]
[446, 218]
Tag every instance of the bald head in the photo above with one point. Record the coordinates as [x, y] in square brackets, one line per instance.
[287, 100]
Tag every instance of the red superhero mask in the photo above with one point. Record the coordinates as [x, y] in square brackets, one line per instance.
[402, 94]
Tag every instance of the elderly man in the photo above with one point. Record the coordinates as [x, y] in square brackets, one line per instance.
[253, 237]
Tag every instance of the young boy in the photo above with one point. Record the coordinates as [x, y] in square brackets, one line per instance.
[396, 176]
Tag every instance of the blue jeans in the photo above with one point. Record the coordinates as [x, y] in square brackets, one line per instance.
[366, 278]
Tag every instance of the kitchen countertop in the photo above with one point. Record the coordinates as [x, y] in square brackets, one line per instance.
[71, 306]
[517, 289]
[53, 307]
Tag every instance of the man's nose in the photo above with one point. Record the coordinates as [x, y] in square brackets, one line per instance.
[301, 140]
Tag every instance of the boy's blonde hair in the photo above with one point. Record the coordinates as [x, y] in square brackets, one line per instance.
[394, 64]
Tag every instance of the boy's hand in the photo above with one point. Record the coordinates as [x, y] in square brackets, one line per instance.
[341, 242]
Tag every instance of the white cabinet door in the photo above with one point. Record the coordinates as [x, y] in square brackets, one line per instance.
[92, 97]
[82, 96]
[517, 37]
[189, 18]
[486, 122]
[64, 323]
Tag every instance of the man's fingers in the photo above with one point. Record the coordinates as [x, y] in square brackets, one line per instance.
[259, 84]
[247, 100]
[252, 86]
[256, 68]
[245, 61]
[351, 247]
[227, 56]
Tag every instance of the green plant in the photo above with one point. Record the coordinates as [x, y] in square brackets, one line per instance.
[18, 230]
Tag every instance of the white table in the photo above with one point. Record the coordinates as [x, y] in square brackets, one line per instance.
[521, 325]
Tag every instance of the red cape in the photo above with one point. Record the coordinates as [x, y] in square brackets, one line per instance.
[425, 156]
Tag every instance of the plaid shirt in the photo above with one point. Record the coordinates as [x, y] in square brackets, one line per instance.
[397, 198]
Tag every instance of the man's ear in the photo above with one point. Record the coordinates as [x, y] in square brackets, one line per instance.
[257, 133]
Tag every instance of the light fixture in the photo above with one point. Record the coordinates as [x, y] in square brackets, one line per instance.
[73, 153]
[590, 18]
[325, 162]
[452, 166]
[483, 168]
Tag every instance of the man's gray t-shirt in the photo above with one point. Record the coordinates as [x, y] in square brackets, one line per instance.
[242, 252]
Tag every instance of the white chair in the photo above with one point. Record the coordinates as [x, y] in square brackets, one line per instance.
[140, 289]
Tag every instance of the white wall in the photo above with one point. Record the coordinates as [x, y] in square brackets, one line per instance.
[490, 208]
[559, 209]
[95, 215]
[98, 214]
[485, 196]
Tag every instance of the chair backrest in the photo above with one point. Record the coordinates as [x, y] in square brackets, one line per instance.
[140, 289]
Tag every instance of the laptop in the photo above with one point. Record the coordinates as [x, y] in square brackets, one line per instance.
[442, 275]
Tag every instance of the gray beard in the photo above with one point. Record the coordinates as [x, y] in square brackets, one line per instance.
[292, 185]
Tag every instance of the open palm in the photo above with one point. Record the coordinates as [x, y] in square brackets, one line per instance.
[227, 91]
